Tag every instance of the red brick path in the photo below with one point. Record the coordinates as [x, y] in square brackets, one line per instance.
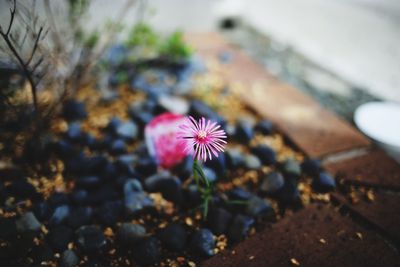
[318, 133]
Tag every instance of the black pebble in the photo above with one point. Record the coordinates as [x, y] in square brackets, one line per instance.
[203, 243]
[324, 183]
[130, 233]
[109, 212]
[258, 207]
[59, 237]
[42, 252]
[218, 164]
[58, 199]
[28, 223]
[90, 238]
[240, 227]
[264, 127]
[218, 220]
[244, 132]
[266, 154]
[74, 110]
[69, 259]
[272, 183]
[173, 237]
[147, 251]
[60, 214]
[311, 167]
[80, 216]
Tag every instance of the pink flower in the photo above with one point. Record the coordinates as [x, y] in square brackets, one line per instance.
[204, 137]
[161, 139]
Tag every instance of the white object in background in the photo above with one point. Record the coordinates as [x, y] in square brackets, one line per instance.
[228, 9]
[381, 122]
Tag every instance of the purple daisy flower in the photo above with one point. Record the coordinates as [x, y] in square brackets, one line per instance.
[203, 138]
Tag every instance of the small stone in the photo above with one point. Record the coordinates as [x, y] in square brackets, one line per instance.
[311, 167]
[266, 154]
[234, 158]
[28, 223]
[147, 251]
[74, 132]
[291, 167]
[169, 186]
[88, 182]
[79, 196]
[109, 212]
[74, 110]
[8, 228]
[113, 125]
[218, 164]
[95, 165]
[42, 252]
[69, 259]
[272, 183]
[118, 147]
[203, 243]
[80, 216]
[252, 162]
[240, 227]
[258, 207]
[63, 148]
[173, 237]
[102, 194]
[42, 210]
[199, 109]
[142, 118]
[240, 194]
[132, 185]
[60, 214]
[21, 188]
[218, 220]
[192, 196]
[90, 238]
[289, 193]
[59, 237]
[210, 175]
[264, 127]
[127, 130]
[130, 233]
[136, 201]
[173, 104]
[324, 183]
[146, 166]
[184, 169]
[58, 199]
[244, 132]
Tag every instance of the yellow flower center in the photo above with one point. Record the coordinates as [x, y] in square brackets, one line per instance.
[202, 134]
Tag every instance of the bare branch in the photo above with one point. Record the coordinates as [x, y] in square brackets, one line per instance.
[37, 64]
[35, 45]
[12, 13]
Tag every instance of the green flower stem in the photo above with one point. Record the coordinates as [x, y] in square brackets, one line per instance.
[203, 185]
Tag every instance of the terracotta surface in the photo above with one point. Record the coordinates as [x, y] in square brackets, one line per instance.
[311, 127]
[315, 236]
[373, 169]
[383, 211]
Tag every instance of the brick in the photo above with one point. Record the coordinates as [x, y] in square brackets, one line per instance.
[311, 127]
[383, 212]
[372, 169]
[315, 236]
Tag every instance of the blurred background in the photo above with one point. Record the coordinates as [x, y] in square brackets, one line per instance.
[343, 53]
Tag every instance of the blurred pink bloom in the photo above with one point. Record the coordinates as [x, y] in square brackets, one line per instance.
[161, 139]
[204, 136]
